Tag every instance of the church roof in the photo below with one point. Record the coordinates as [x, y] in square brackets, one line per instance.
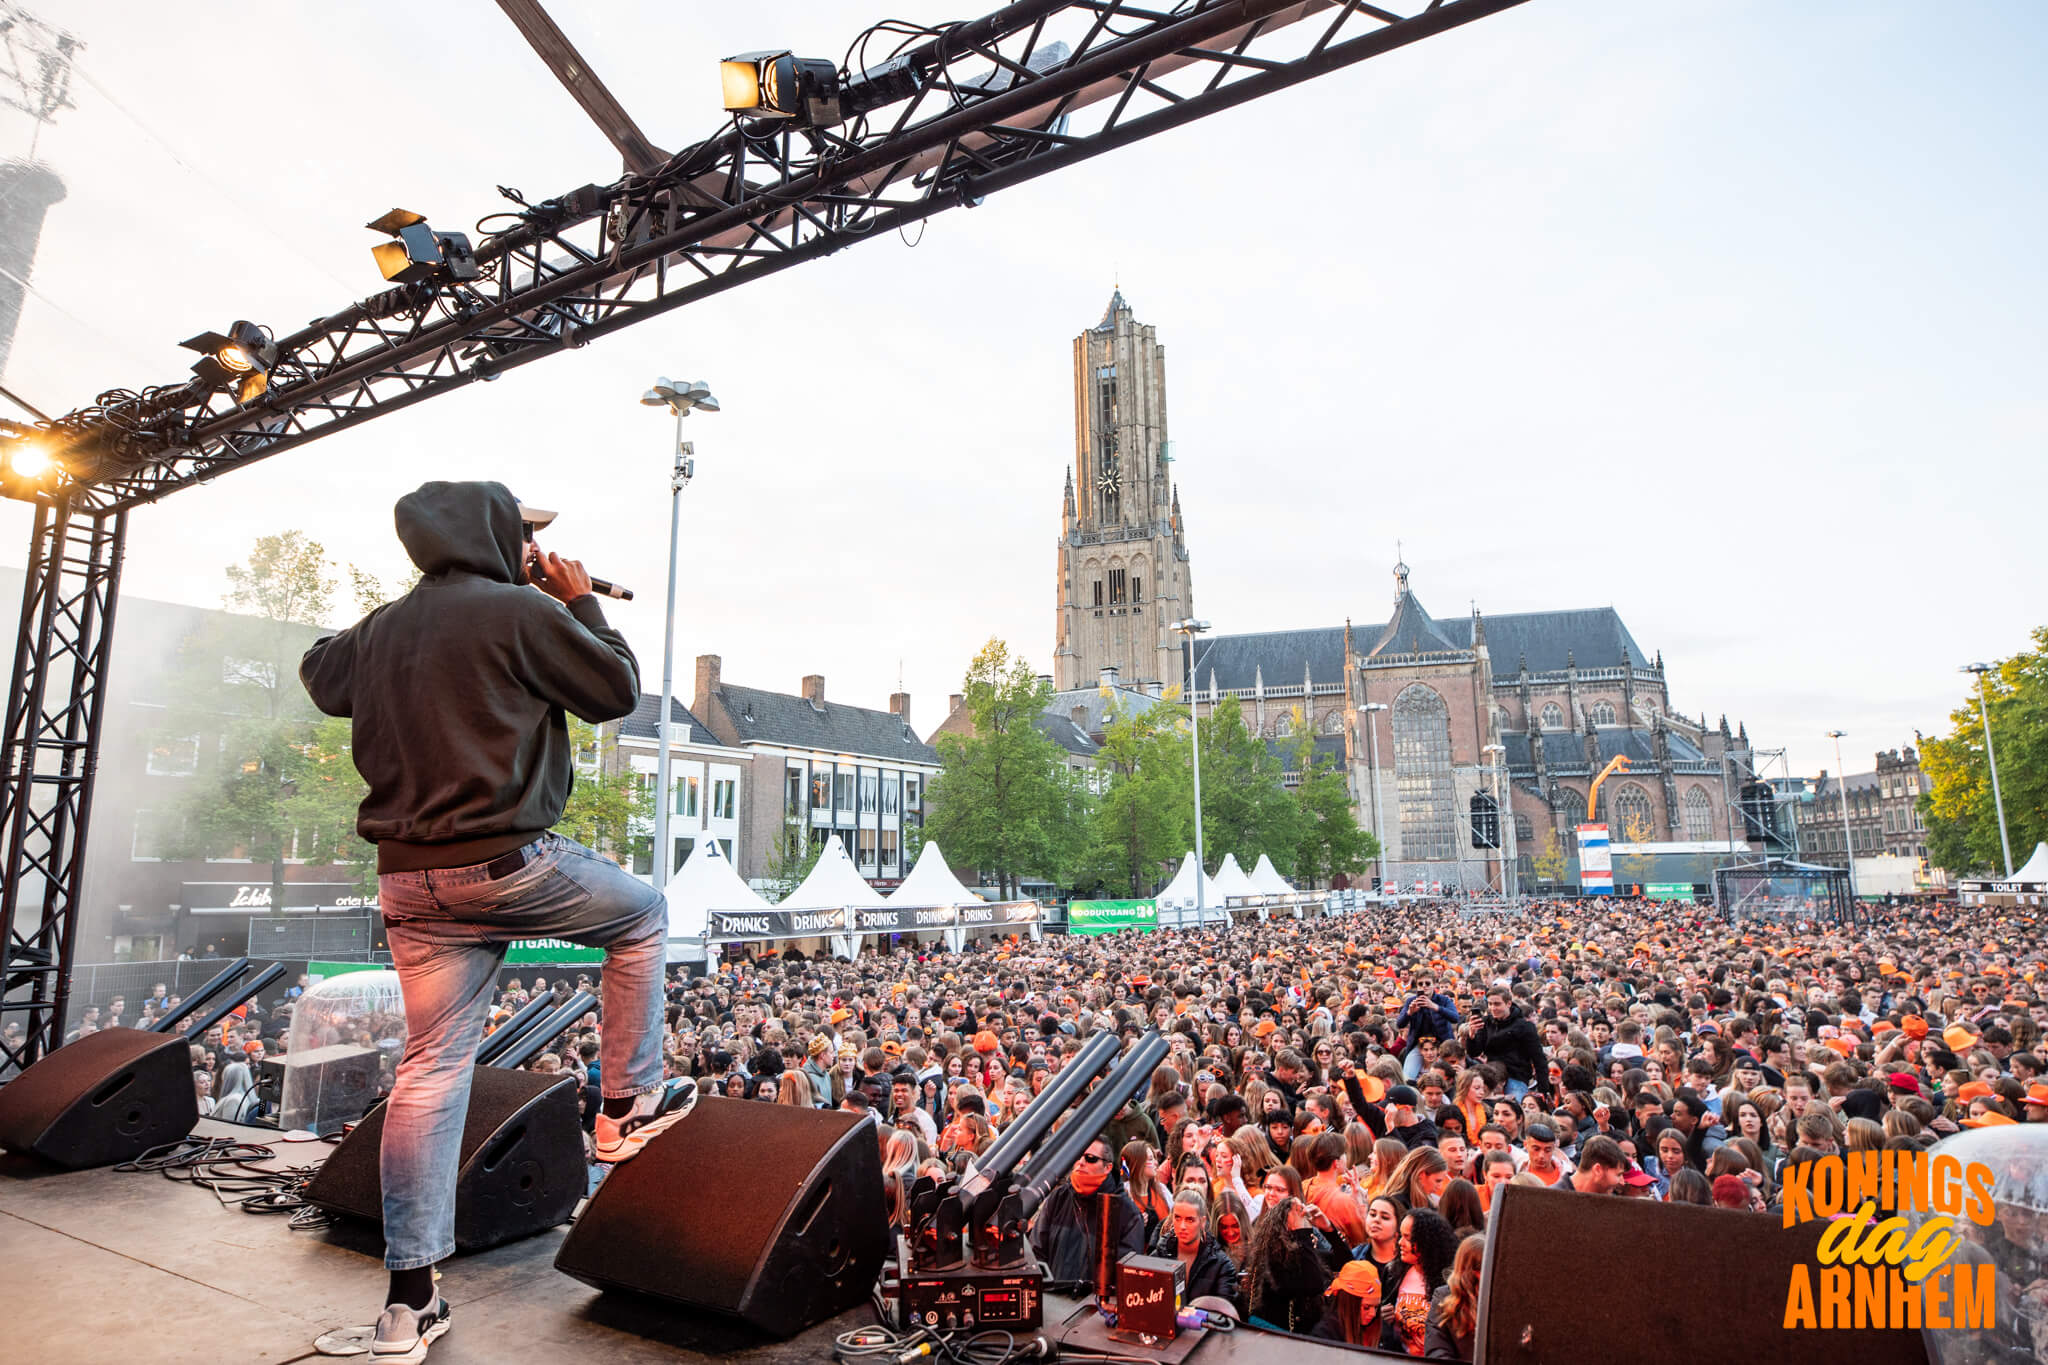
[1116, 304]
[1411, 631]
[1592, 637]
[1563, 749]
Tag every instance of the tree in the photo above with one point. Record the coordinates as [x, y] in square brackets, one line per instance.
[1245, 808]
[1003, 793]
[1142, 819]
[1962, 818]
[1329, 843]
[790, 860]
[605, 806]
[1550, 863]
[1637, 867]
[279, 782]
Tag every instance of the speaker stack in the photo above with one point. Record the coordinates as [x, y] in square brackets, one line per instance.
[521, 1171]
[763, 1212]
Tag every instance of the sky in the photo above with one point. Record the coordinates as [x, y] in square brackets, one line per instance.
[1728, 317]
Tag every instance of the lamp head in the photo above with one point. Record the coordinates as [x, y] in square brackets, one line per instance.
[1978, 668]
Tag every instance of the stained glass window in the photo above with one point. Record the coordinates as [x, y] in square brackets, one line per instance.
[1699, 814]
[1603, 713]
[1553, 716]
[1632, 816]
[1422, 775]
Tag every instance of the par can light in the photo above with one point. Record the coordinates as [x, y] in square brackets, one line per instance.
[239, 360]
[782, 85]
[417, 254]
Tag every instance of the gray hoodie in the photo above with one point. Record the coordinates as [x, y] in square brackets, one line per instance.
[458, 689]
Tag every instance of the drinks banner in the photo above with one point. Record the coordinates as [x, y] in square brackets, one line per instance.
[731, 926]
[1107, 917]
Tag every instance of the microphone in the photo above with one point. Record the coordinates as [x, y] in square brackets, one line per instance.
[606, 589]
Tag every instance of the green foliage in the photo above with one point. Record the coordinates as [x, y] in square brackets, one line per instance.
[274, 777]
[1328, 840]
[791, 860]
[1004, 800]
[1246, 810]
[604, 807]
[1144, 817]
[1962, 820]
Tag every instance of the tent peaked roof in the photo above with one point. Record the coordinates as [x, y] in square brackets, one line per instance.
[1268, 880]
[2036, 869]
[931, 883]
[705, 882]
[1182, 887]
[833, 883]
[1230, 880]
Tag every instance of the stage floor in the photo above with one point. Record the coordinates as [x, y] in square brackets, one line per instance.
[133, 1267]
[110, 1266]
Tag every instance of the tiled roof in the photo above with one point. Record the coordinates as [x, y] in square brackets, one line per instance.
[643, 723]
[760, 717]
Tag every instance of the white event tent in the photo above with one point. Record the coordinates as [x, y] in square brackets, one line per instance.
[1268, 880]
[1230, 879]
[2036, 869]
[1177, 905]
[835, 884]
[931, 885]
[705, 882]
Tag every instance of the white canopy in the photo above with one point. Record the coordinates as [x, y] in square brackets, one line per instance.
[1268, 880]
[2036, 869]
[932, 883]
[705, 882]
[1230, 880]
[833, 883]
[1177, 901]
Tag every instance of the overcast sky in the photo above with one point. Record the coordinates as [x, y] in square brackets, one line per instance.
[1727, 316]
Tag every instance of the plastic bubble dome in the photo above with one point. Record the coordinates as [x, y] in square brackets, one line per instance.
[2015, 1245]
[346, 1037]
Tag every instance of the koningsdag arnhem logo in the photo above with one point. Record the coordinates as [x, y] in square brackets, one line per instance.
[1887, 1259]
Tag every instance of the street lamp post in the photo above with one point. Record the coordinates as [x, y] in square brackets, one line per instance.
[1372, 769]
[1984, 713]
[1848, 835]
[1188, 629]
[679, 399]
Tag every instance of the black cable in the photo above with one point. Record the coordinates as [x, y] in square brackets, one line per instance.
[225, 1168]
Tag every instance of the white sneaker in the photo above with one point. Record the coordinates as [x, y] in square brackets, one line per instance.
[652, 1111]
[403, 1334]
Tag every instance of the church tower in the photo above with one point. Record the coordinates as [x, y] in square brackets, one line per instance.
[1123, 572]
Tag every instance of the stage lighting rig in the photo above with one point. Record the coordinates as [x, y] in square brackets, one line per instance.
[419, 255]
[240, 360]
[766, 85]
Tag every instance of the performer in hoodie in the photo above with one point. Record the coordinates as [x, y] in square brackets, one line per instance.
[458, 693]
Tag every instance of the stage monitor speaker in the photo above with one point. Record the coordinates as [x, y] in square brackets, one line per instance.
[1680, 1277]
[107, 1097]
[764, 1212]
[521, 1170]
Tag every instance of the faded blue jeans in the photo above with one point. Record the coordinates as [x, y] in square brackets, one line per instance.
[448, 930]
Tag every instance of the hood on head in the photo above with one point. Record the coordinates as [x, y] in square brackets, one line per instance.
[473, 527]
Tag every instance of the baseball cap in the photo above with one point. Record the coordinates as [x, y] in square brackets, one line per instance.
[1404, 1094]
[537, 517]
[1639, 1178]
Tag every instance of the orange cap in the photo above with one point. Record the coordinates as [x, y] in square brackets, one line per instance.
[1958, 1037]
[2037, 1093]
[1972, 1090]
[1357, 1278]
[1990, 1118]
[1914, 1026]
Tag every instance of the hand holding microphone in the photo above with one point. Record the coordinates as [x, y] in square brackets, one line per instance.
[565, 580]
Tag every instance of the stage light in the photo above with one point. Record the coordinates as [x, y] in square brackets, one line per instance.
[240, 360]
[418, 254]
[782, 85]
[31, 460]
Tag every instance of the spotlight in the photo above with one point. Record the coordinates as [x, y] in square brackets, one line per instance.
[241, 360]
[31, 460]
[417, 253]
[782, 85]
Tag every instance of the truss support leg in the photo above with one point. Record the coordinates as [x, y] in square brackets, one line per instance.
[47, 766]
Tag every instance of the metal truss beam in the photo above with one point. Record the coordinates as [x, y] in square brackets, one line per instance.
[1031, 89]
[54, 712]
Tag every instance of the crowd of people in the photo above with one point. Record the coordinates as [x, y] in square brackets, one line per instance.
[1343, 1099]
